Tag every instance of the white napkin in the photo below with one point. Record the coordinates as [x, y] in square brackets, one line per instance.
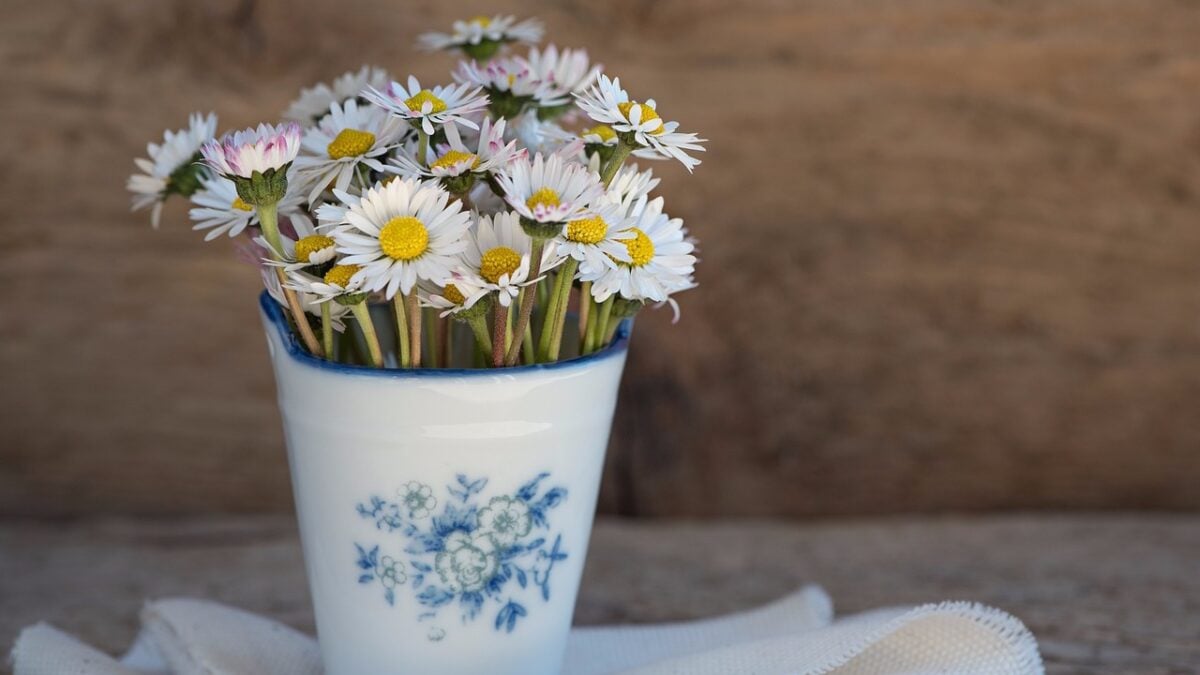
[795, 635]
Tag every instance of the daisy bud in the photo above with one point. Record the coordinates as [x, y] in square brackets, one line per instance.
[256, 160]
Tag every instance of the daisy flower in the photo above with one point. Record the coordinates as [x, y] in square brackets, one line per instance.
[454, 159]
[220, 210]
[257, 161]
[658, 260]
[459, 294]
[537, 135]
[638, 124]
[341, 283]
[511, 85]
[498, 255]
[346, 139]
[401, 232]
[482, 36]
[314, 102]
[629, 185]
[425, 108]
[550, 189]
[597, 241]
[562, 73]
[598, 143]
[171, 168]
[309, 249]
[309, 302]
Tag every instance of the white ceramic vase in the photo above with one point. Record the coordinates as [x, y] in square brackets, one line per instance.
[444, 514]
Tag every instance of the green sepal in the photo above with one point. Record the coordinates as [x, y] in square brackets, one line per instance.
[264, 188]
[541, 231]
[185, 179]
[459, 185]
[483, 51]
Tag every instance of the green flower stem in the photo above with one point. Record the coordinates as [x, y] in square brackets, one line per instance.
[620, 154]
[585, 312]
[611, 329]
[268, 219]
[527, 348]
[363, 315]
[326, 329]
[402, 331]
[414, 322]
[563, 298]
[596, 337]
[499, 333]
[422, 146]
[548, 313]
[525, 303]
[479, 326]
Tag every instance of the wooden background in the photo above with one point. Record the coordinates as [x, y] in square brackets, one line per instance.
[951, 252]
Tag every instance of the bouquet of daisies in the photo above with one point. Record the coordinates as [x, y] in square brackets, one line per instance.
[409, 226]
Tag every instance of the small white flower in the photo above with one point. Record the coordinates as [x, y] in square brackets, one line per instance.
[510, 84]
[310, 248]
[562, 73]
[314, 101]
[309, 302]
[460, 292]
[659, 260]
[168, 168]
[491, 154]
[426, 108]
[536, 135]
[482, 35]
[338, 282]
[401, 232]
[597, 241]
[241, 154]
[220, 210]
[629, 185]
[498, 255]
[608, 103]
[550, 189]
[348, 138]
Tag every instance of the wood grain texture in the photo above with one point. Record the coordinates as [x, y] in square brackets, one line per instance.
[950, 252]
[1104, 595]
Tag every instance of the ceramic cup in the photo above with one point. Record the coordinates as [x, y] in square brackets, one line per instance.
[444, 514]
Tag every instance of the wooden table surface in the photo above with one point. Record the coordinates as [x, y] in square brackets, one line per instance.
[1112, 593]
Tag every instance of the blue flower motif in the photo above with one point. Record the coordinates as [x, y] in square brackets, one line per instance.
[473, 554]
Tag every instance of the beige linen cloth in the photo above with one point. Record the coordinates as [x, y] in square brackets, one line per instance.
[795, 635]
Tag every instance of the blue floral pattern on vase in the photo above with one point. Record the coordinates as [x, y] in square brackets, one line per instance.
[473, 554]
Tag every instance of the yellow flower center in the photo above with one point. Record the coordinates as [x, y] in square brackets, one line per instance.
[648, 114]
[241, 205]
[404, 238]
[451, 293]
[587, 230]
[350, 143]
[604, 131]
[641, 249]
[418, 101]
[498, 262]
[544, 196]
[482, 21]
[453, 158]
[310, 245]
[339, 275]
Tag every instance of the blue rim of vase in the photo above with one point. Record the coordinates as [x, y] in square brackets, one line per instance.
[275, 317]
